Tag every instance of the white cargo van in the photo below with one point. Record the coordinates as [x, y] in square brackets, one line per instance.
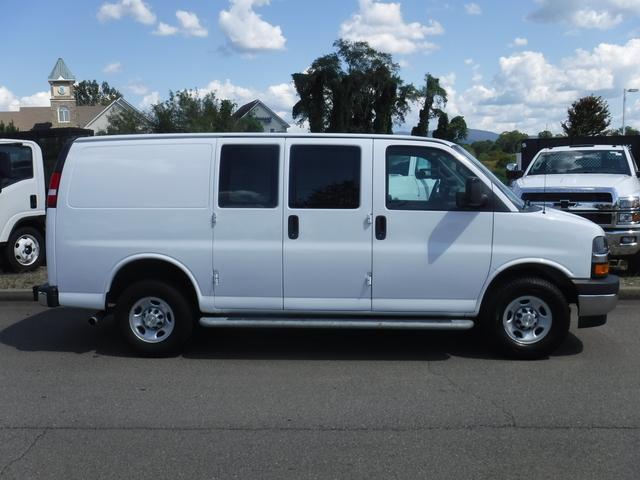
[22, 209]
[313, 231]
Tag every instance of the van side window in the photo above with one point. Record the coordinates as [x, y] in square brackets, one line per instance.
[16, 164]
[429, 179]
[324, 176]
[249, 176]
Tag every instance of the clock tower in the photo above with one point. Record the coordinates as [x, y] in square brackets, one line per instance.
[63, 102]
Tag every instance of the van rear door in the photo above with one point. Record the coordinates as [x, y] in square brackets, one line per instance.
[328, 234]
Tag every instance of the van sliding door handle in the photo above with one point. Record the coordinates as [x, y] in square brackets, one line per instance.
[381, 227]
[294, 227]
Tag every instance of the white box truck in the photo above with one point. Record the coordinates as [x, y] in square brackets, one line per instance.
[356, 231]
[22, 205]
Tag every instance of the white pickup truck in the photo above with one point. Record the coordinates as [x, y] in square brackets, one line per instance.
[597, 182]
[22, 205]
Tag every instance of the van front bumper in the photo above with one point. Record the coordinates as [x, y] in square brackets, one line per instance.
[46, 295]
[596, 298]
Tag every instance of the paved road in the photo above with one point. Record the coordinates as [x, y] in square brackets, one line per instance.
[313, 404]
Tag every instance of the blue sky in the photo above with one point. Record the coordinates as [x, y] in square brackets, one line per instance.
[506, 64]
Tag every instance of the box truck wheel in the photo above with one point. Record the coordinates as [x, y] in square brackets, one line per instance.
[528, 317]
[24, 250]
[154, 317]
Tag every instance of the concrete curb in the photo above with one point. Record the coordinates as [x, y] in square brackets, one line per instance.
[16, 295]
[26, 295]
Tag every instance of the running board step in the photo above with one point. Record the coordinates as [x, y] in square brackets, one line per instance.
[270, 322]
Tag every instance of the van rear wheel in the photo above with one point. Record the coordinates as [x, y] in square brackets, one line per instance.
[25, 250]
[528, 318]
[154, 317]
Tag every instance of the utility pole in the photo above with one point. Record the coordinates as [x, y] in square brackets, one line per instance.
[624, 106]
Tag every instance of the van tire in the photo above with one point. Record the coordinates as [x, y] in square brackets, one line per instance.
[150, 302]
[527, 318]
[28, 241]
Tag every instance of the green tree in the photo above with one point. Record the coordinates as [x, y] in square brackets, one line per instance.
[127, 122]
[185, 111]
[454, 131]
[545, 134]
[89, 92]
[482, 146]
[8, 128]
[356, 89]
[618, 131]
[511, 142]
[587, 117]
[434, 99]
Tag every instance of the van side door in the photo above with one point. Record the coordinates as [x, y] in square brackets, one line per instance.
[430, 255]
[328, 234]
[247, 235]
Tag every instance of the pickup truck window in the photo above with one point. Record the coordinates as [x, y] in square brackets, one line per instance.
[16, 164]
[581, 161]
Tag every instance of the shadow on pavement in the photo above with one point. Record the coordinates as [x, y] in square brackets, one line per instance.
[67, 330]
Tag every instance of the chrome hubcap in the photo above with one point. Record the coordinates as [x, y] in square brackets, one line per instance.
[26, 250]
[527, 320]
[151, 320]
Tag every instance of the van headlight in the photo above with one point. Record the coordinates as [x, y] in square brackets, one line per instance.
[629, 202]
[600, 257]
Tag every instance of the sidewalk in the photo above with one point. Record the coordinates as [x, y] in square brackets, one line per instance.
[18, 287]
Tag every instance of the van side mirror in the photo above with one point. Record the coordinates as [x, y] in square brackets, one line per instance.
[513, 172]
[638, 174]
[473, 195]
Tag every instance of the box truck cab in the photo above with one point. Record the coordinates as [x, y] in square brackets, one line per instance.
[22, 209]
[357, 231]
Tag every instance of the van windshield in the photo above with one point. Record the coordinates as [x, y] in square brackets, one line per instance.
[581, 161]
[519, 204]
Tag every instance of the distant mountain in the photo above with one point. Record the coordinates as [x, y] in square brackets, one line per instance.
[472, 136]
[480, 135]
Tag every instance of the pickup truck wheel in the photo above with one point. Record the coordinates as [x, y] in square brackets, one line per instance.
[154, 317]
[25, 250]
[528, 318]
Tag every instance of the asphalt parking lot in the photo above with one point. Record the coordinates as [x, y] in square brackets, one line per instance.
[313, 404]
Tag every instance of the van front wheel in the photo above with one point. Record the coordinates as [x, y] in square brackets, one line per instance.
[154, 317]
[528, 318]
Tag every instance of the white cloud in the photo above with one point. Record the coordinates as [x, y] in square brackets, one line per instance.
[279, 97]
[190, 24]
[519, 42]
[112, 68]
[136, 9]
[10, 103]
[598, 14]
[472, 9]
[246, 31]
[531, 93]
[149, 99]
[137, 88]
[383, 27]
[165, 30]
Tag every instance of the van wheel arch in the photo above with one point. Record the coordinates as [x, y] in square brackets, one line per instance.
[152, 269]
[545, 272]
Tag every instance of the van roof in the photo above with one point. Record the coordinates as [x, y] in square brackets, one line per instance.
[104, 138]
